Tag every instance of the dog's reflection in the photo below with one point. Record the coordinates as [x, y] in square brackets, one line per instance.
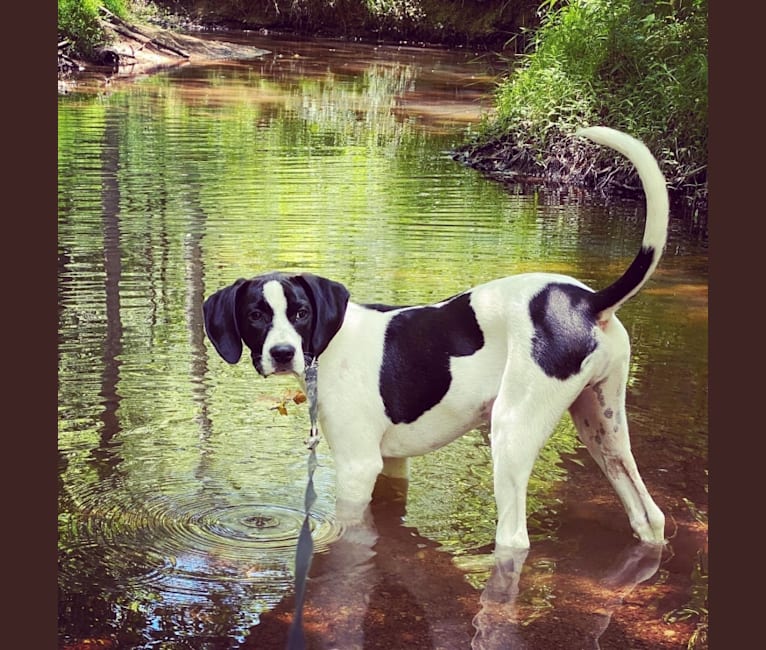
[383, 585]
[499, 623]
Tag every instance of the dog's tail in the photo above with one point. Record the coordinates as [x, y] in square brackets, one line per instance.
[608, 300]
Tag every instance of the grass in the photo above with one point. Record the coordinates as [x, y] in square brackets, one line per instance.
[637, 66]
[78, 22]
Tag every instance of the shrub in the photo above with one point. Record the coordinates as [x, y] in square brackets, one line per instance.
[635, 65]
[78, 22]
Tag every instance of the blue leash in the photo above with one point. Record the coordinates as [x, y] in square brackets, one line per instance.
[305, 549]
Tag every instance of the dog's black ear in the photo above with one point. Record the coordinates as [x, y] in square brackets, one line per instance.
[221, 321]
[329, 300]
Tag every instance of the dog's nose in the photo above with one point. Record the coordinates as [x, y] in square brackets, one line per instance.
[282, 353]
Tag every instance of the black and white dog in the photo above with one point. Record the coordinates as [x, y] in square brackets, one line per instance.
[396, 382]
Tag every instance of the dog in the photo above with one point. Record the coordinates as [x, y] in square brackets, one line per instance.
[514, 353]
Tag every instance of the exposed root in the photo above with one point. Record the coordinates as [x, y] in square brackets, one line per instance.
[571, 161]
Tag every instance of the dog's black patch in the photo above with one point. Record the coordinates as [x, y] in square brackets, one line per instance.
[563, 319]
[415, 374]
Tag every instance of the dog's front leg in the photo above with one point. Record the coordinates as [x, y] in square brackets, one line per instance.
[355, 476]
[398, 468]
[343, 579]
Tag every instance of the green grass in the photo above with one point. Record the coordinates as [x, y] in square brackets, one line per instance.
[78, 22]
[634, 65]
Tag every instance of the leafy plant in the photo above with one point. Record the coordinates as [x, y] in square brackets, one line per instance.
[634, 65]
[78, 21]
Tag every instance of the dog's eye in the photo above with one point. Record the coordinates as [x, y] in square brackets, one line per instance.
[256, 315]
[301, 313]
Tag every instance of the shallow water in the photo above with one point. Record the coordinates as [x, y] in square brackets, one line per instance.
[182, 478]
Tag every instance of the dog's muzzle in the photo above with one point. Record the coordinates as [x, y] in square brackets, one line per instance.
[282, 358]
[257, 364]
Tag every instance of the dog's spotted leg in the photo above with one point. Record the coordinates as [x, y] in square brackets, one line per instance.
[599, 415]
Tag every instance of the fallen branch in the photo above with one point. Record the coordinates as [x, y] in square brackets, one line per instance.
[131, 31]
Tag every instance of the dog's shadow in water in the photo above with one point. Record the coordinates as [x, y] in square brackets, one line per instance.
[384, 585]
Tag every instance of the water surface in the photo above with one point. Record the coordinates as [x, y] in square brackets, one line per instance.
[181, 478]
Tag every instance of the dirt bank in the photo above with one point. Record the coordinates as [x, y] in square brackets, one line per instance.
[570, 161]
[143, 49]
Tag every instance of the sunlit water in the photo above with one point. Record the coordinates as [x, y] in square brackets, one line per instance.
[181, 477]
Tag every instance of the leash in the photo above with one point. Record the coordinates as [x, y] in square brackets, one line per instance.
[305, 549]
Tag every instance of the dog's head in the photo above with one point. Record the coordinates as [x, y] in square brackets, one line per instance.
[285, 320]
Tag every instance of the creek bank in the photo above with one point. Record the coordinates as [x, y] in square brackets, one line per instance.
[488, 25]
[145, 48]
[571, 161]
[139, 49]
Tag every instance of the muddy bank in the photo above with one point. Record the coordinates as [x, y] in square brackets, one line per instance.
[482, 24]
[569, 160]
[143, 49]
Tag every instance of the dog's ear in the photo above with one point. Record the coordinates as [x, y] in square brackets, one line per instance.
[221, 321]
[329, 300]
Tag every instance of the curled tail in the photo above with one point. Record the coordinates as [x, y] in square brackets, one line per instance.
[607, 301]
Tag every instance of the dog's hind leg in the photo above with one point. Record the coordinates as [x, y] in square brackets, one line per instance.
[522, 421]
[599, 415]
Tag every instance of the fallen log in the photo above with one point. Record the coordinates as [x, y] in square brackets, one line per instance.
[134, 33]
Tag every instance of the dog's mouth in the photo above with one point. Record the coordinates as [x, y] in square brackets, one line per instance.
[258, 365]
[276, 371]
[283, 369]
[277, 368]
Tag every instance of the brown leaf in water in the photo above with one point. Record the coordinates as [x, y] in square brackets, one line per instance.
[281, 407]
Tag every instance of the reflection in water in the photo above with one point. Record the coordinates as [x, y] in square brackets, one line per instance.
[110, 196]
[180, 485]
[499, 625]
[195, 291]
[387, 570]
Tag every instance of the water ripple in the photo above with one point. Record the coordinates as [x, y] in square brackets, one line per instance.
[188, 547]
